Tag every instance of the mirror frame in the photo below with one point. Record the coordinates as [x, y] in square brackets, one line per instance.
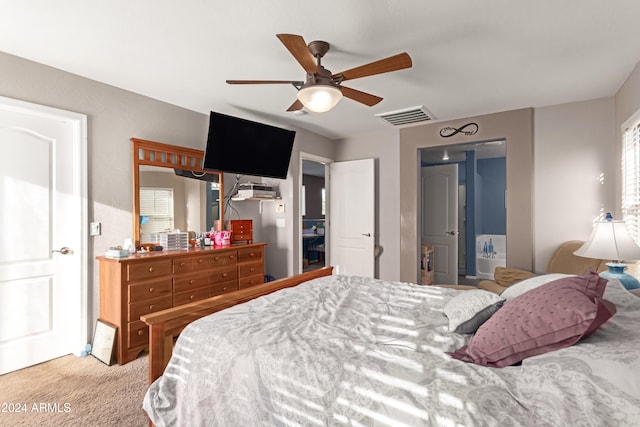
[153, 153]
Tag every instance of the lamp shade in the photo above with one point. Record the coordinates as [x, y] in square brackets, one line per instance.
[610, 240]
[319, 97]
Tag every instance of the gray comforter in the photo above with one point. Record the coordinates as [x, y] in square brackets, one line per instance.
[345, 350]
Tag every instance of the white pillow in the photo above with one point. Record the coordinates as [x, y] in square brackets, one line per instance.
[525, 285]
[470, 309]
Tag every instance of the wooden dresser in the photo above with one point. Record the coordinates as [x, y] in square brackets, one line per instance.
[141, 284]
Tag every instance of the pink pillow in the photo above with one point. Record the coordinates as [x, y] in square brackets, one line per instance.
[553, 316]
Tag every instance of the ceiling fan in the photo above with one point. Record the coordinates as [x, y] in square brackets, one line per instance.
[322, 90]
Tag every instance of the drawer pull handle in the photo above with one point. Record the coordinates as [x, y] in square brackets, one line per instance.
[225, 274]
[232, 256]
[182, 264]
[252, 269]
[192, 281]
[200, 261]
[150, 289]
[216, 258]
[150, 269]
[151, 307]
[252, 254]
[140, 332]
[192, 297]
[225, 288]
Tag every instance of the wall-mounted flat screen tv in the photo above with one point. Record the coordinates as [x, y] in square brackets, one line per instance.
[245, 147]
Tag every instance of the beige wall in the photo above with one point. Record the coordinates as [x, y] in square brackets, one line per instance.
[384, 147]
[114, 116]
[575, 172]
[567, 172]
[282, 254]
[516, 127]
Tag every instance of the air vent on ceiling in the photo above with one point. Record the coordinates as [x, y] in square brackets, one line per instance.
[407, 116]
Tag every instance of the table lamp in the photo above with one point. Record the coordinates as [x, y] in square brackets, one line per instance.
[610, 240]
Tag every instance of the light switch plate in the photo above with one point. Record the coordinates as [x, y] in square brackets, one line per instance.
[280, 223]
[95, 229]
[279, 207]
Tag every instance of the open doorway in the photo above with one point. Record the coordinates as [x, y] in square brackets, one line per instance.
[313, 212]
[480, 228]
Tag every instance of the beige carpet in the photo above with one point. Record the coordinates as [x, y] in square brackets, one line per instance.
[75, 391]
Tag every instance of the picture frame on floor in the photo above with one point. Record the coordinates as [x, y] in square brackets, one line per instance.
[104, 342]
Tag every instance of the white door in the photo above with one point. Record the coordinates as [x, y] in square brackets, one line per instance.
[352, 209]
[439, 186]
[42, 228]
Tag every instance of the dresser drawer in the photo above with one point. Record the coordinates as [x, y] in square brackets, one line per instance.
[181, 284]
[249, 281]
[138, 334]
[223, 274]
[241, 226]
[250, 254]
[148, 269]
[202, 263]
[250, 268]
[182, 265]
[223, 258]
[223, 288]
[241, 236]
[190, 296]
[149, 290]
[137, 309]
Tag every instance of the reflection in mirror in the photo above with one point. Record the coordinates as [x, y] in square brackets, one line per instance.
[172, 200]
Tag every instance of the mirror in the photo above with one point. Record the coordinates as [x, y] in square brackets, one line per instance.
[171, 191]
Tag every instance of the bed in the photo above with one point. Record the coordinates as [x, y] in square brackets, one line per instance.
[344, 350]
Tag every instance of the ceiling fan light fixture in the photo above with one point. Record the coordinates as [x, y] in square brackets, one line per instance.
[319, 98]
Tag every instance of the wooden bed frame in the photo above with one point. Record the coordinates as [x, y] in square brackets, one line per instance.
[166, 324]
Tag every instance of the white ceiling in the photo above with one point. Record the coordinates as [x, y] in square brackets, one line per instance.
[469, 57]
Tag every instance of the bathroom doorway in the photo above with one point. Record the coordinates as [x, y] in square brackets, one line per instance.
[481, 200]
[313, 212]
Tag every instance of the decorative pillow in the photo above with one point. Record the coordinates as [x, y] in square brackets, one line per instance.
[553, 316]
[470, 309]
[520, 288]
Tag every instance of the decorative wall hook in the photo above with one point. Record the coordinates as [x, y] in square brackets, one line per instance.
[447, 132]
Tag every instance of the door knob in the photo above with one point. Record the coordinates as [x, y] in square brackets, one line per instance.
[366, 234]
[63, 250]
[452, 232]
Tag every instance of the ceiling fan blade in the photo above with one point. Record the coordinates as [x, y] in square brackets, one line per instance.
[261, 82]
[298, 48]
[392, 63]
[296, 106]
[362, 97]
